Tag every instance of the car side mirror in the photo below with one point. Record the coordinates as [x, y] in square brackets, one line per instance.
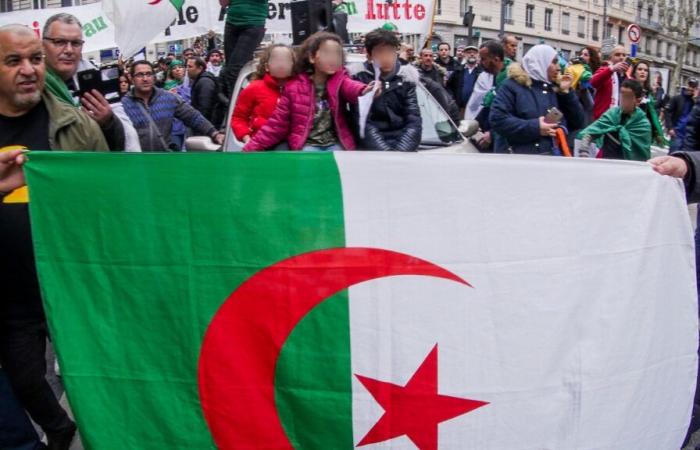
[468, 128]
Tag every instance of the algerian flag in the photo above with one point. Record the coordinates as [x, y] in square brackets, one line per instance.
[370, 300]
[137, 22]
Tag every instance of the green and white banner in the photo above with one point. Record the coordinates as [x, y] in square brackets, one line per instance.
[369, 300]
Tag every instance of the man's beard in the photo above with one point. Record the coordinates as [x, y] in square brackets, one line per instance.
[26, 101]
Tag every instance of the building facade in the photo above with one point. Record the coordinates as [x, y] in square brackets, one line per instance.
[567, 25]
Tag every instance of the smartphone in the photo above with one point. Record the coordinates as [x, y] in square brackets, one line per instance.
[553, 115]
[105, 80]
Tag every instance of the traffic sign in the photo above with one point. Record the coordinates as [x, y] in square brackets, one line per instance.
[634, 32]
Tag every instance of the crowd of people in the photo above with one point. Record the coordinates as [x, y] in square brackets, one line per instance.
[599, 104]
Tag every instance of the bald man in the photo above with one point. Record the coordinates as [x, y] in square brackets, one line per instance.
[30, 119]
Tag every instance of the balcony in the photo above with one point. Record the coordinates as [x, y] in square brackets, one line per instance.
[565, 32]
[529, 24]
[509, 21]
[652, 25]
[581, 35]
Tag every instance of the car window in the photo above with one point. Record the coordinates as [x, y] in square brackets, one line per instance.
[438, 129]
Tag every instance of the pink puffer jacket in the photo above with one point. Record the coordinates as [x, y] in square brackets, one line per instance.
[294, 116]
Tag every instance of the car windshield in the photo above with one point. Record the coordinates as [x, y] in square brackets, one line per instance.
[438, 129]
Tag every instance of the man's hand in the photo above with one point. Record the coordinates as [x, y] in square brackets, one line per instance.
[485, 140]
[548, 129]
[11, 174]
[246, 139]
[223, 3]
[670, 165]
[97, 107]
[565, 83]
[621, 67]
[219, 138]
[368, 88]
[672, 133]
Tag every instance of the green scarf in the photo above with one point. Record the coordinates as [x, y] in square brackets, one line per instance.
[56, 86]
[635, 134]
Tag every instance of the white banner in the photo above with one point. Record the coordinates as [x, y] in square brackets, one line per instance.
[197, 17]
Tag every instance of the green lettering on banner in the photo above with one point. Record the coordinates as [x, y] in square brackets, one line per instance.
[94, 26]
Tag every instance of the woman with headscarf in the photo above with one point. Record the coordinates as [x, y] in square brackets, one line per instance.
[523, 113]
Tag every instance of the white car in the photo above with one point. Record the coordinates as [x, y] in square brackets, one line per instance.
[440, 133]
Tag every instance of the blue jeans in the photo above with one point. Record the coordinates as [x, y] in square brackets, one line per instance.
[327, 148]
[16, 431]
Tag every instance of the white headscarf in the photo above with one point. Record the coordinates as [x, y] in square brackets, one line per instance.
[537, 61]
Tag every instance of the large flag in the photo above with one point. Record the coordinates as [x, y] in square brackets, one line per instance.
[370, 300]
[137, 22]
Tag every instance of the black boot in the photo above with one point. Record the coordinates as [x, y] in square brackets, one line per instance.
[63, 439]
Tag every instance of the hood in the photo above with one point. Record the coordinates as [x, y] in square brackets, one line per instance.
[518, 74]
[407, 72]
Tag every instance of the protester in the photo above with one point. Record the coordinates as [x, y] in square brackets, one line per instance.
[461, 84]
[624, 130]
[204, 90]
[310, 113]
[16, 430]
[640, 72]
[492, 58]
[30, 118]
[444, 98]
[428, 69]
[607, 81]
[176, 84]
[162, 72]
[214, 60]
[153, 111]
[188, 53]
[244, 30]
[124, 85]
[258, 100]
[524, 101]
[446, 60]
[407, 55]
[581, 73]
[691, 142]
[678, 113]
[459, 54]
[63, 45]
[591, 57]
[394, 121]
[510, 47]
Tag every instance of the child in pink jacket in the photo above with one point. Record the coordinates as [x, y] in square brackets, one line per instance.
[310, 113]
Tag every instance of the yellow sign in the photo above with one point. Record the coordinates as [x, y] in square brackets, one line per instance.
[20, 195]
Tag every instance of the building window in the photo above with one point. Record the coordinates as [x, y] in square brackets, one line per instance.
[529, 16]
[509, 12]
[65, 3]
[463, 6]
[439, 7]
[650, 13]
[565, 22]
[5, 6]
[581, 31]
[39, 4]
[621, 36]
[608, 31]
[594, 29]
[647, 45]
[548, 19]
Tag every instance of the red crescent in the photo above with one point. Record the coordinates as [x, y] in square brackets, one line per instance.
[244, 339]
[154, 2]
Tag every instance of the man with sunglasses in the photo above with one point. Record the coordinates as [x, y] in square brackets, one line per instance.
[63, 41]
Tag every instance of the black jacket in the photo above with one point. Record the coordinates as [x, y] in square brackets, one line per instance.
[674, 109]
[520, 102]
[456, 83]
[691, 143]
[394, 122]
[436, 73]
[692, 179]
[205, 90]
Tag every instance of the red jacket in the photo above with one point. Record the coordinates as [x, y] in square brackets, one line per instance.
[602, 82]
[294, 117]
[254, 106]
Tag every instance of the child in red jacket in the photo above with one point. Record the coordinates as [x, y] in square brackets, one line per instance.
[258, 100]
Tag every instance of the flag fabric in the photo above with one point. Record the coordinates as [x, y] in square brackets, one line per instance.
[369, 300]
[137, 22]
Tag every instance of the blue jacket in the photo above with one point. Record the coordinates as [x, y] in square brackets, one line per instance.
[517, 108]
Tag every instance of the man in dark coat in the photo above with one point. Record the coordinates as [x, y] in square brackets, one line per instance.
[677, 113]
[205, 89]
[461, 83]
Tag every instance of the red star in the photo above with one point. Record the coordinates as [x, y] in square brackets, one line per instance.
[414, 410]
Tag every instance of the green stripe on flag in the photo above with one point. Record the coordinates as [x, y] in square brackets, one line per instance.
[177, 4]
[136, 252]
